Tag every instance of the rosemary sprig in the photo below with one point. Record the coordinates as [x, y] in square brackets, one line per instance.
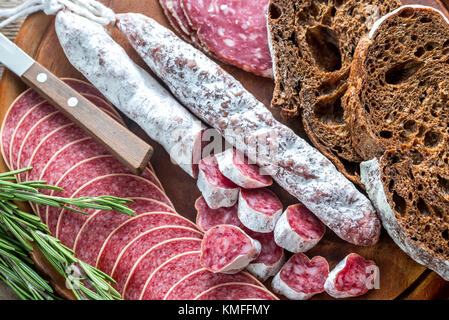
[19, 229]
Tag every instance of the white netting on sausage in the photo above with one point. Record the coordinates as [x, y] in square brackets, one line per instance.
[90, 9]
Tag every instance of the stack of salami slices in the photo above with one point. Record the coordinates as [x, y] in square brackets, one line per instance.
[233, 31]
[154, 255]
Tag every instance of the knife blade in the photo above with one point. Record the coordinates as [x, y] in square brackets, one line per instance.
[122, 143]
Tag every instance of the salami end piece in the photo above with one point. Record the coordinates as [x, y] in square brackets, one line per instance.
[298, 229]
[236, 168]
[217, 190]
[208, 218]
[228, 249]
[301, 278]
[259, 209]
[352, 277]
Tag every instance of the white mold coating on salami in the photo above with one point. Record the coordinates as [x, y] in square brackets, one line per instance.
[222, 102]
[131, 89]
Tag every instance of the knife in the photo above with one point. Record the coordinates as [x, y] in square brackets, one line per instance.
[122, 143]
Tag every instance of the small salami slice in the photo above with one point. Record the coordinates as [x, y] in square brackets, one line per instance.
[298, 230]
[152, 259]
[117, 185]
[130, 256]
[100, 225]
[217, 190]
[168, 7]
[259, 209]
[228, 249]
[129, 230]
[236, 168]
[236, 291]
[352, 277]
[195, 283]
[208, 218]
[301, 278]
[271, 257]
[235, 31]
[168, 274]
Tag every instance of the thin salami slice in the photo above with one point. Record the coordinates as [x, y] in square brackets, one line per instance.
[236, 291]
[217, 190]
[118, 185]
[236, 168]
[301, 278]
[128, 263]
[235, 31]
[259, 209]
[152, 259]
[101, 224]
[131, 229]
[352, 277]
[168, 274]
[168, 7]
[195, 283]
[208, 218]
[298, 229]
[228, 249]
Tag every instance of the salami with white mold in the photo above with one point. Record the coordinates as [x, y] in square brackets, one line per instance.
[236, 168]
[259, 209]
[298, 229]
[217, 190]
[301, 278]
[228, 249]
[352, 277]
[208, 218]
[223, 103]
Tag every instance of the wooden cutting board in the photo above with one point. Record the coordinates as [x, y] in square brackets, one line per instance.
[400, 278]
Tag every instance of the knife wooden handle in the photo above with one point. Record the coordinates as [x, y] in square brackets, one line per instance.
[122, 143]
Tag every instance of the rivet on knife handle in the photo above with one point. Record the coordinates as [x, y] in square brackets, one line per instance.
[122, 143]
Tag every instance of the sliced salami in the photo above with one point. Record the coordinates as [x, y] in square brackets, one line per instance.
[131, 256]
[168, 274]
[352, 277]
[259, 209]
[301, 278]
[168, 7]
[236, 291]
[235, 31]
[236, 168]
[217, 190]
[118, 185]
[101, 224]
[298, 229]
[152, 259]
[228, 249]
[195, 283]
[129, 230]
[208, 218]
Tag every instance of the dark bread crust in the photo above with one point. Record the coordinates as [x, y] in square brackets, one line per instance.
[313, 43]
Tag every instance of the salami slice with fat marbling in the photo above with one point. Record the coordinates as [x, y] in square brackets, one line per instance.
[208, 218]
[236, 291]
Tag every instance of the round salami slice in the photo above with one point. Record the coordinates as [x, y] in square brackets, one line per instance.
[168, 7]
[236, 168]
[208, 218]
[301, 278]
[101, 224]
[259, 209]
[271, 257]
[128, 262]
[195, 283]
[129, 230]
[352, 277]
[298, 229]
[217, 190]
[236, 291]
[228, 249]
[152, 259]
[168, 274]
[235, 31]
[118, 185]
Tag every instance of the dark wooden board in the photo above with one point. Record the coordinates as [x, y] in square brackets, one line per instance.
[401, 277]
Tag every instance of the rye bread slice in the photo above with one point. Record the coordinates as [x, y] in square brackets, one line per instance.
[399, 101]
[312, 44]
